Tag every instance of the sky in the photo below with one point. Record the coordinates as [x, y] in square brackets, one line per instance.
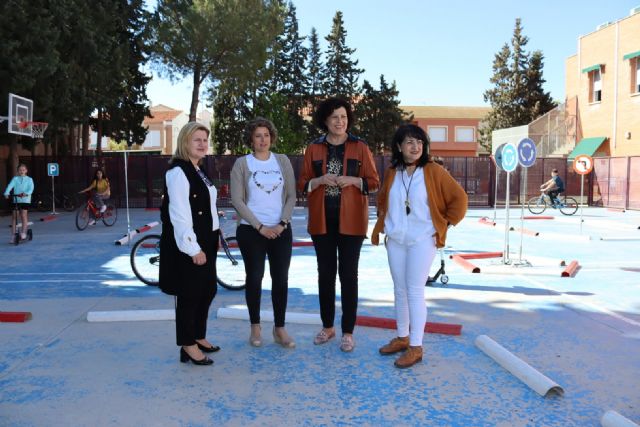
[441, 52]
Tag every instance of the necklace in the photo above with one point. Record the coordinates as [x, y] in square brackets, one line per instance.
[407, 204]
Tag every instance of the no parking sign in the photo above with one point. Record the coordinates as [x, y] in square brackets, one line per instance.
[583, 164]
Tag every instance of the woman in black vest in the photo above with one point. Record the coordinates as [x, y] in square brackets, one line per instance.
[189, 243]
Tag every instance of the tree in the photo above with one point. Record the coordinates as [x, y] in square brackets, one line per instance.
[314, 65]
[340, 74]
[211, 39]
[517, 97]
[379, 114]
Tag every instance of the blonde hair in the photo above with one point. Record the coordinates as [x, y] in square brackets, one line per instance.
[184, 137]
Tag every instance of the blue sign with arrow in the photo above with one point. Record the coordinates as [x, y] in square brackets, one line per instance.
[509, 157]
[526, 152]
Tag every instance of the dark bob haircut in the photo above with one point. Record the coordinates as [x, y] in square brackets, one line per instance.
[327, 107]
[259, 122]
[408, 131]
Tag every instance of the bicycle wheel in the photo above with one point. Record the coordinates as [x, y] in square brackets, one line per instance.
[230, 266]
[145, 259]
[110, 216]
[536, 205]
[568, 206]
[68, 204]
[42, 203]
[83, 217]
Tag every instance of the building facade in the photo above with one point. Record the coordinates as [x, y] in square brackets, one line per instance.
[604, 77]
[453, 131]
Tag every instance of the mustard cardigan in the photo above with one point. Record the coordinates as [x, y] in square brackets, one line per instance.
[447, 201]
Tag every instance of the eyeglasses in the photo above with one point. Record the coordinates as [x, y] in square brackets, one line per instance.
[414, 142]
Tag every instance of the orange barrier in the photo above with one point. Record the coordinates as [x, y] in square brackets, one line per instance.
[571, 269]
[538, 217]
[616, 210]
[49, 218]
[525, 231]
[479, 255]
[429, 327]
[486, 221]
[15, 316]
[465, 264]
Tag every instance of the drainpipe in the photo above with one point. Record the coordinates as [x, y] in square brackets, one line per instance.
[615, 88]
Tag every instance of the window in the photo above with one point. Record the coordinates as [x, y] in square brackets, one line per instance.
[465, 134]
[635, 74]
[438, 133]
[595, 86]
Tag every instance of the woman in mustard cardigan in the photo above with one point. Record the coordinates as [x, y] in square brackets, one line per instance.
[418, 200]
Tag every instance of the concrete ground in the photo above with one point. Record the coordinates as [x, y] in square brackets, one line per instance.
[583, 332]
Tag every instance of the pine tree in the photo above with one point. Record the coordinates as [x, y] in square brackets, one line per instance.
[314, 65]
[340, 73]
[517, 96]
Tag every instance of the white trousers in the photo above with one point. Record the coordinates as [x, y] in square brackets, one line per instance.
[410, 267]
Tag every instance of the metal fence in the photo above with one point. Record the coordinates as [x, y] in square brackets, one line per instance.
[615, 182]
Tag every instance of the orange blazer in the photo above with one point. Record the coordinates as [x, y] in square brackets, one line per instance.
[447, 201]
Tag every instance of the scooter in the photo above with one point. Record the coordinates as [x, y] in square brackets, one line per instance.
[16, 237]
[444, 279]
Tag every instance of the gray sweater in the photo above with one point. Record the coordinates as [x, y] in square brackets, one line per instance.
[240, 176]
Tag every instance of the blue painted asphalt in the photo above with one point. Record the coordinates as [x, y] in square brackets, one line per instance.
[583, 332]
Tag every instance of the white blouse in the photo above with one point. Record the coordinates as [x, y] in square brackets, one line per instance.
[180, 211]
[417, 226]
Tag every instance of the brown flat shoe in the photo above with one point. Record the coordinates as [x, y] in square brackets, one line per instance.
[324, 336]
[285, 342]
[412, 356]
[394, 346]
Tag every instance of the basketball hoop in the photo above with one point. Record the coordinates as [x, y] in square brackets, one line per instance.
[37, 128]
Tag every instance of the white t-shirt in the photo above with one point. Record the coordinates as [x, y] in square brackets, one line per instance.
[264, 190]
[417, 226]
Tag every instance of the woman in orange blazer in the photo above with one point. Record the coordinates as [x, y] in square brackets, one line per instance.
[418, 201]
[337, 175]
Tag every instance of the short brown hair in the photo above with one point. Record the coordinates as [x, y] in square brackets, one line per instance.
[259, 122]
[184, 137]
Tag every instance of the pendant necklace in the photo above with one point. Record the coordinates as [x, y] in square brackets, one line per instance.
[407, 204]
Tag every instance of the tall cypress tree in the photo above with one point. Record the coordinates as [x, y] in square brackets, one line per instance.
[517, 96]
[314, 65]
[341, 72]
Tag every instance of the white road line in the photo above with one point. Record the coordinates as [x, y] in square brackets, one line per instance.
[583, 302]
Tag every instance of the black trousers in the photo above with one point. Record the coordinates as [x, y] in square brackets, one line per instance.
[337, 253]
[254, 248]
[194, 299]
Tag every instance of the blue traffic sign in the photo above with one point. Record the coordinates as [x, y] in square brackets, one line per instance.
[526, 152]
[53, 169]
[498, 156]
[509, 157]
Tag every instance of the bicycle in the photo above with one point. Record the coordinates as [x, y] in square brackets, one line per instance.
[89, 211]
[44, 203]
[538, 204]
[145, 262]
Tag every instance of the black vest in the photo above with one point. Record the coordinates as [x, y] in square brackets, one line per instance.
[176, 267]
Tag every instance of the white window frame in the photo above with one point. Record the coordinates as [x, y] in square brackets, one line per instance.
[473, 133]
[595, 86]
[446, 133]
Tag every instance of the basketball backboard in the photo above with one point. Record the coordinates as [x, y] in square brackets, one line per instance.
[20, 111]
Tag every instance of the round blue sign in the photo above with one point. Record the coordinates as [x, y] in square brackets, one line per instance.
[509, 157]
[526, 152]
[498, 156]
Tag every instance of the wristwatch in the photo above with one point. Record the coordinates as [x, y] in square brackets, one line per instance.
[284, 224]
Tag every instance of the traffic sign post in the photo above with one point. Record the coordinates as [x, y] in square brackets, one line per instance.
[526, 158]
[53, 170]
[582, 165]
[509, 162]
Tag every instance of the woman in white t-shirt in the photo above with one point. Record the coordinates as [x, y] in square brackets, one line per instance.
[263, 193]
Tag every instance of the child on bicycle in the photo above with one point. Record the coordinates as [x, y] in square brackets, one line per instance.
[22, 187]
[553, 187]
[101, 190]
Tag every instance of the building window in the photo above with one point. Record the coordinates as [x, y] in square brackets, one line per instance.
[465, 134]
[438, 133]
[635, 74]
[595, 86]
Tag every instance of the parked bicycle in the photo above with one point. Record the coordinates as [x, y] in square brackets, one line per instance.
[90, 212]
[145, 262]
[538, 204]
[44, 202]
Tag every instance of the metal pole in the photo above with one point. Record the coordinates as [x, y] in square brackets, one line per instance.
[505, 254]
[126, 192]
[495, 196]
[524, 197]
[581, 201]
[53, 196]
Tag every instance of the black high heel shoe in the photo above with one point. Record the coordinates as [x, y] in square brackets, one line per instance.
[184, 358]
[211, 349]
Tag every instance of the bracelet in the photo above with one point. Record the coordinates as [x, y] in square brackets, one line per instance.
[260, 228]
